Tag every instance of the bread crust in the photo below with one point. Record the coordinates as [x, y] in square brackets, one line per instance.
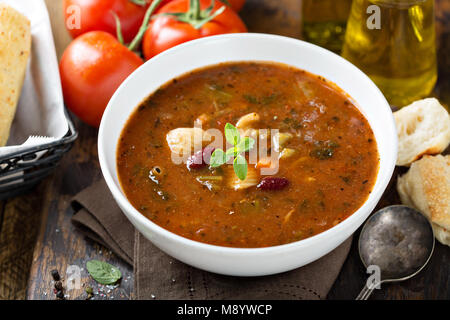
[15, 47]
[426, 187]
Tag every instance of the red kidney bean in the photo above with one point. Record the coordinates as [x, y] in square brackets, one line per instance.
[200, 159]
[273, 183]
[196, 160]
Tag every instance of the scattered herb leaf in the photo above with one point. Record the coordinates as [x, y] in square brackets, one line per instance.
[103, 272]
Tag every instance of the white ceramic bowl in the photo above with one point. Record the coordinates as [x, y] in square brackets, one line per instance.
[247, 47]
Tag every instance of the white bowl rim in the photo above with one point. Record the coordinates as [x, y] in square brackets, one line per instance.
[382, 177]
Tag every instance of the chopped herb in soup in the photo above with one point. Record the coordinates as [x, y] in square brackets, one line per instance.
[326, 156]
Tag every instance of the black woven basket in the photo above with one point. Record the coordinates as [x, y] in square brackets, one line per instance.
[22, 170]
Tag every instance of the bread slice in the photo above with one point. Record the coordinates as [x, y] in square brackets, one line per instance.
[426, 187]
[423, 128]
[15, 47]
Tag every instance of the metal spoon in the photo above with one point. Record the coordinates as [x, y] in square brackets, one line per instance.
[398, 240]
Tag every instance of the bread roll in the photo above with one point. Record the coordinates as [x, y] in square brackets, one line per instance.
[426, 187]
[423, 128]
[15, 46]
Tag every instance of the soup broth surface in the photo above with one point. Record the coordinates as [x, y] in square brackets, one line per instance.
[331, 169]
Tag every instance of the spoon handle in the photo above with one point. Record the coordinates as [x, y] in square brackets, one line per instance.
[366, 292]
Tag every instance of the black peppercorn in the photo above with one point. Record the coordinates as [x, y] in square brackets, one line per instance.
[58, 285]
[60, 294]
[55, 275]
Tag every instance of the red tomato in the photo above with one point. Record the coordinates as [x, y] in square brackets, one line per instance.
[97, 15]
[236, 5]
[92, 68]
[165, 32]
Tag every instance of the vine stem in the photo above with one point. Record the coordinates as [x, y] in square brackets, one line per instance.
[139, 2]
[195, 16]
[138, 38]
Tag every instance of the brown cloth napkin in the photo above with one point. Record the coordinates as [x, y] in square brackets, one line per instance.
[160, 276]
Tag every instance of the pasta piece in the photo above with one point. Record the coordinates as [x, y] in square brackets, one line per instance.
[287, 152]
[202, 120]
[156, 174]
[265, 162]
[213, 183]
[261, 134]
[235, 183]
[280, 140]
[248, 121]
[182, 141]
[252, 133]
[288, 216]
[264, 134]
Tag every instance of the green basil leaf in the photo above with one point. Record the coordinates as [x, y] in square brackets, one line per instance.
[232, 134]
[103, 272]
[231, 152]
[240, 167]
[218, 158]
[245, 145]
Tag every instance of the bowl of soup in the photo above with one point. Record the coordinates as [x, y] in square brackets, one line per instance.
[247, 154]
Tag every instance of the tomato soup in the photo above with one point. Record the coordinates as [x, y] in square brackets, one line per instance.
[326, 155]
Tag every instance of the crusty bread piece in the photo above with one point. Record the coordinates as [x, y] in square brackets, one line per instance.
[423, 128]
[15, 46]
[426, 187]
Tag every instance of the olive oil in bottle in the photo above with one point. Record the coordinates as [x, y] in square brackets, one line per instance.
[324, 22]
[393, 41]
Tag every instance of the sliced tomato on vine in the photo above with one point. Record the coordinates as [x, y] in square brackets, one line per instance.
[180, 21]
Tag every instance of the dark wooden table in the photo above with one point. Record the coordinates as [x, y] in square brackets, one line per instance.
[59, 245]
